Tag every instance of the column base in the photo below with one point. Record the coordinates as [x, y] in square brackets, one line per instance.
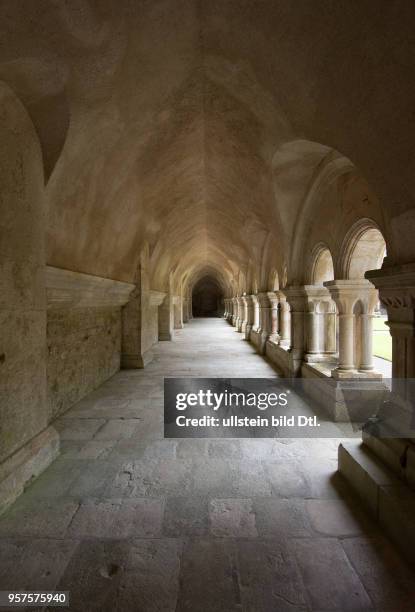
[348, 374]
[136, 361]
[26, 464]
[165, 336]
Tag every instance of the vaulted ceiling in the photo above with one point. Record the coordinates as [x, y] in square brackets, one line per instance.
[197, 127]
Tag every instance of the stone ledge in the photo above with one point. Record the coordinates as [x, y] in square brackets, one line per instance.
[67, 289]
[279, 356]
[26, 464]
[390, 502]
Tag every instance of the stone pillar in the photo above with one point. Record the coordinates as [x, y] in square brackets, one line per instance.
[366, 359]
[244, 313]
[264, 319]
[319, 304]
[313, 330]
[256, 325]
[185, 309]
[178, 313]
[396, 287]
[228, 315]
[330, 329]
[165, 318]
[137, 319]
[296, 299]
[285, 322]
[240, 321]
[234, 311]
[250, 315]
[189, 307]
[275, 323]
[355, 299]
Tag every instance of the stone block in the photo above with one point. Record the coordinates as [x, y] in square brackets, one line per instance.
[233, 518]
[26, 464]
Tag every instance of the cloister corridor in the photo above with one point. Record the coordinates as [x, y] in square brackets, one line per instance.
[128, 520]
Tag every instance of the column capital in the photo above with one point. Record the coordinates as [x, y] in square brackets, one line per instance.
[296, 297]
[396, 285]
[346, 293]
[314, 295]
[264, 298]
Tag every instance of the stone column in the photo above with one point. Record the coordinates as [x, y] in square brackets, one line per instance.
[275, 327]
[244, 313]
[318, 303]
[366, 359]
[250, 316]
[285, 322]
[230, 310]
[256, 325]
[240, 320]
[178, 313]
[185, 309]
[330, 328]
[165, 318]
[264, 318]
[225, 312]
[234, 310]
[296, 297]
[353, 351]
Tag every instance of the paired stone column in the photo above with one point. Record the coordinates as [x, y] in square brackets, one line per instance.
[355, 301]
[296, 297]
[265, 307]
[320, 323]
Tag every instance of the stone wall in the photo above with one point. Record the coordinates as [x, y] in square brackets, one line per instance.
[84, 347]
[23, 412]
[27, 445]
[83, 334]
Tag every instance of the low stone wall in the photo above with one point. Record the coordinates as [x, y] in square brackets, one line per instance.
[84, 346]
[83, 334]
[280, 357]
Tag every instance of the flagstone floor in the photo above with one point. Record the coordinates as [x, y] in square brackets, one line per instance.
[127, 520]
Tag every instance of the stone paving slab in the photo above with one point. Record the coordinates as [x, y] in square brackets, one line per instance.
[130, 521]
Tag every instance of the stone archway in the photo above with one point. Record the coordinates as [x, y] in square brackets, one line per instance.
[207, 298]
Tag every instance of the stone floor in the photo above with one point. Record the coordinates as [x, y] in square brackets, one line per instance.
[126, 520]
